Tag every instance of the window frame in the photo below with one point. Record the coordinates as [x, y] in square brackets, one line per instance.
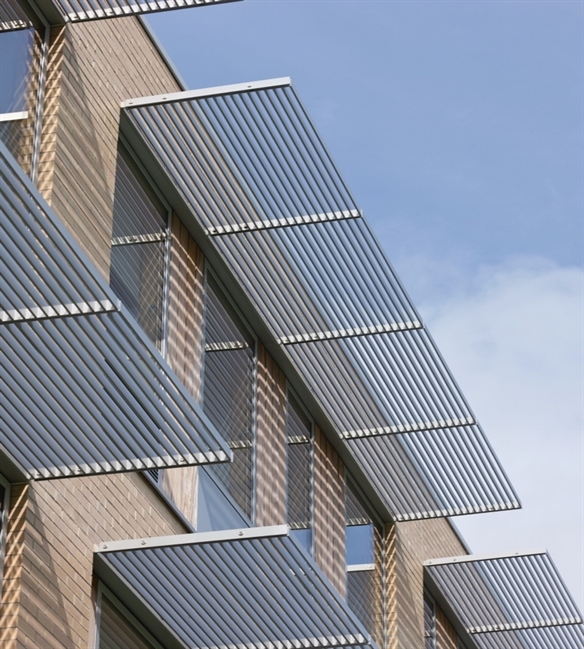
[147, 183]
[124, 613]
[225, 296]
[290, 392]
[35, 104]
[5, 504]
[379, 548]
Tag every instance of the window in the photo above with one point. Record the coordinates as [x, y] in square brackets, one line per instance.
[117, 628]
[429, 622]
[228, 395]
[216, 509]
[16, 54]
[139, 253]
[20, 79]
[363, 549]
[299, 459]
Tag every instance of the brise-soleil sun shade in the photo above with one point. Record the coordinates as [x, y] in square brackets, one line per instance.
[508, 602]
[238, 589]
[82, 388]
[64, 11]
[251, 167]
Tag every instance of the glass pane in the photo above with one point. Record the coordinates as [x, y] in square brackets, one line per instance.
[137, 278]
[303, 538]
[137, 209]
[115, 632]
[16, 56]
[299, 467]
[139, 249]
[228, 393]
[214, 509]
[362, 592]
[360, 540]
[429, 624]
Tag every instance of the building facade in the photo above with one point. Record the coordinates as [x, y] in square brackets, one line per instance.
[224, 423]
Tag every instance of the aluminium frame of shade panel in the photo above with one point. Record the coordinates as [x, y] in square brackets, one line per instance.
[83, 389]
[249, 164]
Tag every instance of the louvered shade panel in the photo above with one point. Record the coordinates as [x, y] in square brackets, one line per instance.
[83, 390]
[243, 588]
[72, 11]
[510, 602]
[250, 164]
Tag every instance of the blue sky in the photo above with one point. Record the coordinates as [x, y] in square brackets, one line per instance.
[458, 127]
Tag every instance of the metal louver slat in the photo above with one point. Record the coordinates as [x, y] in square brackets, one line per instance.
[248, 155]
[508, 602]
[241, 588]
[83, 390]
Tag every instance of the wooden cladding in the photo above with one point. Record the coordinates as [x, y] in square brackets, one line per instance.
[184, 347]
[87, 78]
[329, 511]
[407, 546]
[185, 308]
[270, 442]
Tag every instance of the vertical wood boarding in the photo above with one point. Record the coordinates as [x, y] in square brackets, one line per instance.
[271, 449]
[13, 560]
[329, 511]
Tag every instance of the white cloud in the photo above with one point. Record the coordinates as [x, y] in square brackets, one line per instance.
[513, 339]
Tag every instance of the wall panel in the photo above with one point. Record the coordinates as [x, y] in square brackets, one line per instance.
[270, 442]
[329, 511]
[186, 279]
[407, 546]
[445, 634]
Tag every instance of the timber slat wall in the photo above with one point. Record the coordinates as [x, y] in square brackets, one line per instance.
[185, 308]
[270, 442]
[407, 546]
[445, 633]
[184, 347]
[329, 511]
